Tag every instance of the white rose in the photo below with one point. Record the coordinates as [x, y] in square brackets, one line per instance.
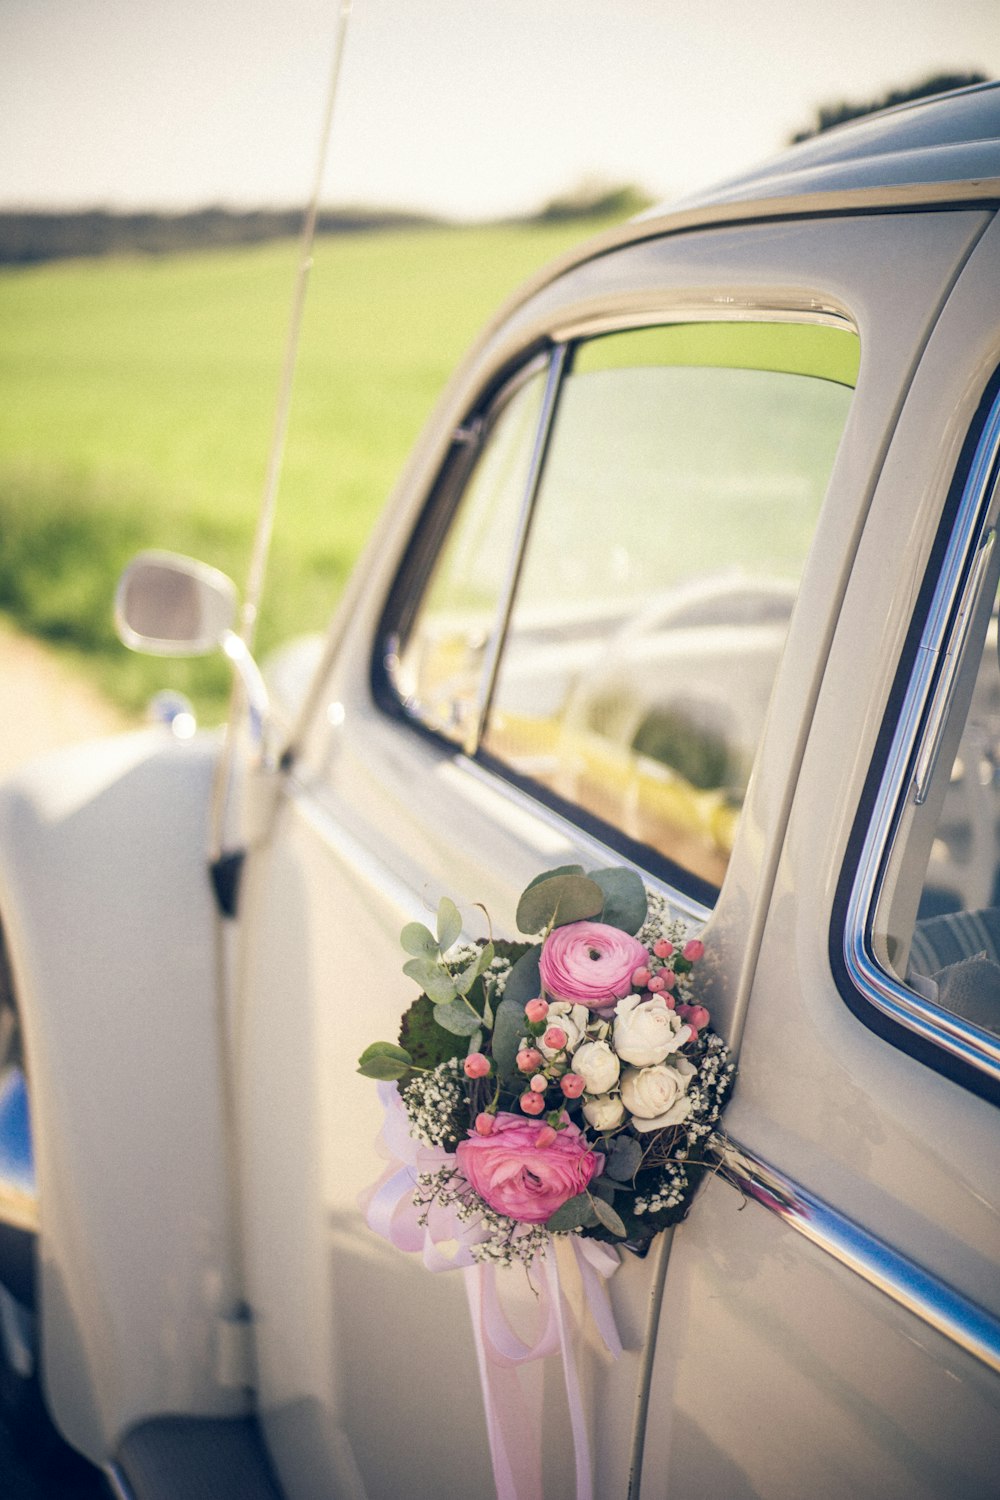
[647, 1031]
[658, 1096]
[606, 1112]
[597, 1065]
[573, 1019]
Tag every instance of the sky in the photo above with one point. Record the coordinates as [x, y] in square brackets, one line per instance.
[468, 108]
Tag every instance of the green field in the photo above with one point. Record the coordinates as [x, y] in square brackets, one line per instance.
[136, 405]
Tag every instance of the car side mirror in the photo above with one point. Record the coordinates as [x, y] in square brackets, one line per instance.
[169, 605]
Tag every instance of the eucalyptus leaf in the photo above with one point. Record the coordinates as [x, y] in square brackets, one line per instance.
[475, 1042]
[557, 900]
[419, 941]
[524, 982]
[625, 903]
[607, 1216]
[578, 1213]
[624, 1158]
[449, 923]
[487, 954]
[384, 1061]
[456, 1018]
[432, 979]
[550, 874]
[508, 1029]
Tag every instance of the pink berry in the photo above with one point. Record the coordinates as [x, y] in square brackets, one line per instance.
[529, 1059]
[669, 978]
[555, 1038]
[640, 978]
[657, 983]
[484, 1123]
[532, 1104]
[545, 1137]
[536, 1010]
[572, 1085]
[693, 950]
[697, 1016]
[539, 1084]
[476, 1065]
[663, 949]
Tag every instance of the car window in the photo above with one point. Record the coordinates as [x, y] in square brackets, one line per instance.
[684, 476]
[437, 667]
[606, 624]
[923, 923]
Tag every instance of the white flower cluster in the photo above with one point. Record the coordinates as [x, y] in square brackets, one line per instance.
[507, 1240]
[433, 1100]
[667, 1192]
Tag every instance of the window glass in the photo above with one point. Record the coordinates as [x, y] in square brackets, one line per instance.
[437, 669]
[947, 862]
[683, 480]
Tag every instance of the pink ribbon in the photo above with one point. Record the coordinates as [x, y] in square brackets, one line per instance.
[512, 1424]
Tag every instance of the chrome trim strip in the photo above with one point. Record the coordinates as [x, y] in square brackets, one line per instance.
[117, 1483]
[543, 431]
[954, 1035]
[969, 1326]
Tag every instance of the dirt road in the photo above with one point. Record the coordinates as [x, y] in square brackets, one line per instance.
[43, 704]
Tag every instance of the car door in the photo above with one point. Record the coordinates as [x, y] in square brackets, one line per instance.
[574, 637]
[839, 1334]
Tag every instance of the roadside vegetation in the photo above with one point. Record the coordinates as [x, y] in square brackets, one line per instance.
[136, 405]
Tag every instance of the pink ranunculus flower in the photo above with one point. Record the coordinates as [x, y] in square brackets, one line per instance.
[590, 963]
[519, 1170]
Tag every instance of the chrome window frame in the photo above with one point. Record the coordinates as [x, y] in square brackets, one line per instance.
[905, 772]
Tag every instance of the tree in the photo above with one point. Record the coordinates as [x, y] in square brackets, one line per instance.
[829, 115]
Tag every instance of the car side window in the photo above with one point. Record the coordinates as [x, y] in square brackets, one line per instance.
[607, 623]
[685, 473]
[923, 922]
[437, 668]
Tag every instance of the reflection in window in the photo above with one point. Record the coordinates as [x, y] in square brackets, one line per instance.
[439, 666]
[948, 865]
[681, 489]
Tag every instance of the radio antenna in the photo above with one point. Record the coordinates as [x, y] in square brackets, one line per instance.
[272, 478]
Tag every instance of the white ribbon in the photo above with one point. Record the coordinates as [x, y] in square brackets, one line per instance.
[513, 1427]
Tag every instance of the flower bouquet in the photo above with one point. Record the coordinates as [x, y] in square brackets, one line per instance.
[565, 1085]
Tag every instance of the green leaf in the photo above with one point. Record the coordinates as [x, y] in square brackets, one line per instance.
[578, 1213]
[550, 874]
[432, 979]
[457, 1018]
[625, 903]
[418, 940]
[624, 1158]
[427, 1042]
[524, 982]
[610, 1220]
[449, 923]
[468, 976]
[475, 1042]
[557, 900]
[384, 1061]
[508, 1029]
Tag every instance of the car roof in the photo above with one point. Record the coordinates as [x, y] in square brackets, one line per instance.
[946, 139]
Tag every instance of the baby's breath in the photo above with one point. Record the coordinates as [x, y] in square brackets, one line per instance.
[433, 1103]
[505, 1240]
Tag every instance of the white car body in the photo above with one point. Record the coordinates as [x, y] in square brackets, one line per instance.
[201, 1136]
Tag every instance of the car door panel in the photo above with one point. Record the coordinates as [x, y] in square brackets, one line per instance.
[378, 821]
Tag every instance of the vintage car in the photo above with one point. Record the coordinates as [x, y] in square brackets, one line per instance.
[693, 571]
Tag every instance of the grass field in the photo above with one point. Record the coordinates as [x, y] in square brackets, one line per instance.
[136, 405]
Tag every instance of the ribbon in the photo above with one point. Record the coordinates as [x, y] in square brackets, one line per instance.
[512, 1422]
